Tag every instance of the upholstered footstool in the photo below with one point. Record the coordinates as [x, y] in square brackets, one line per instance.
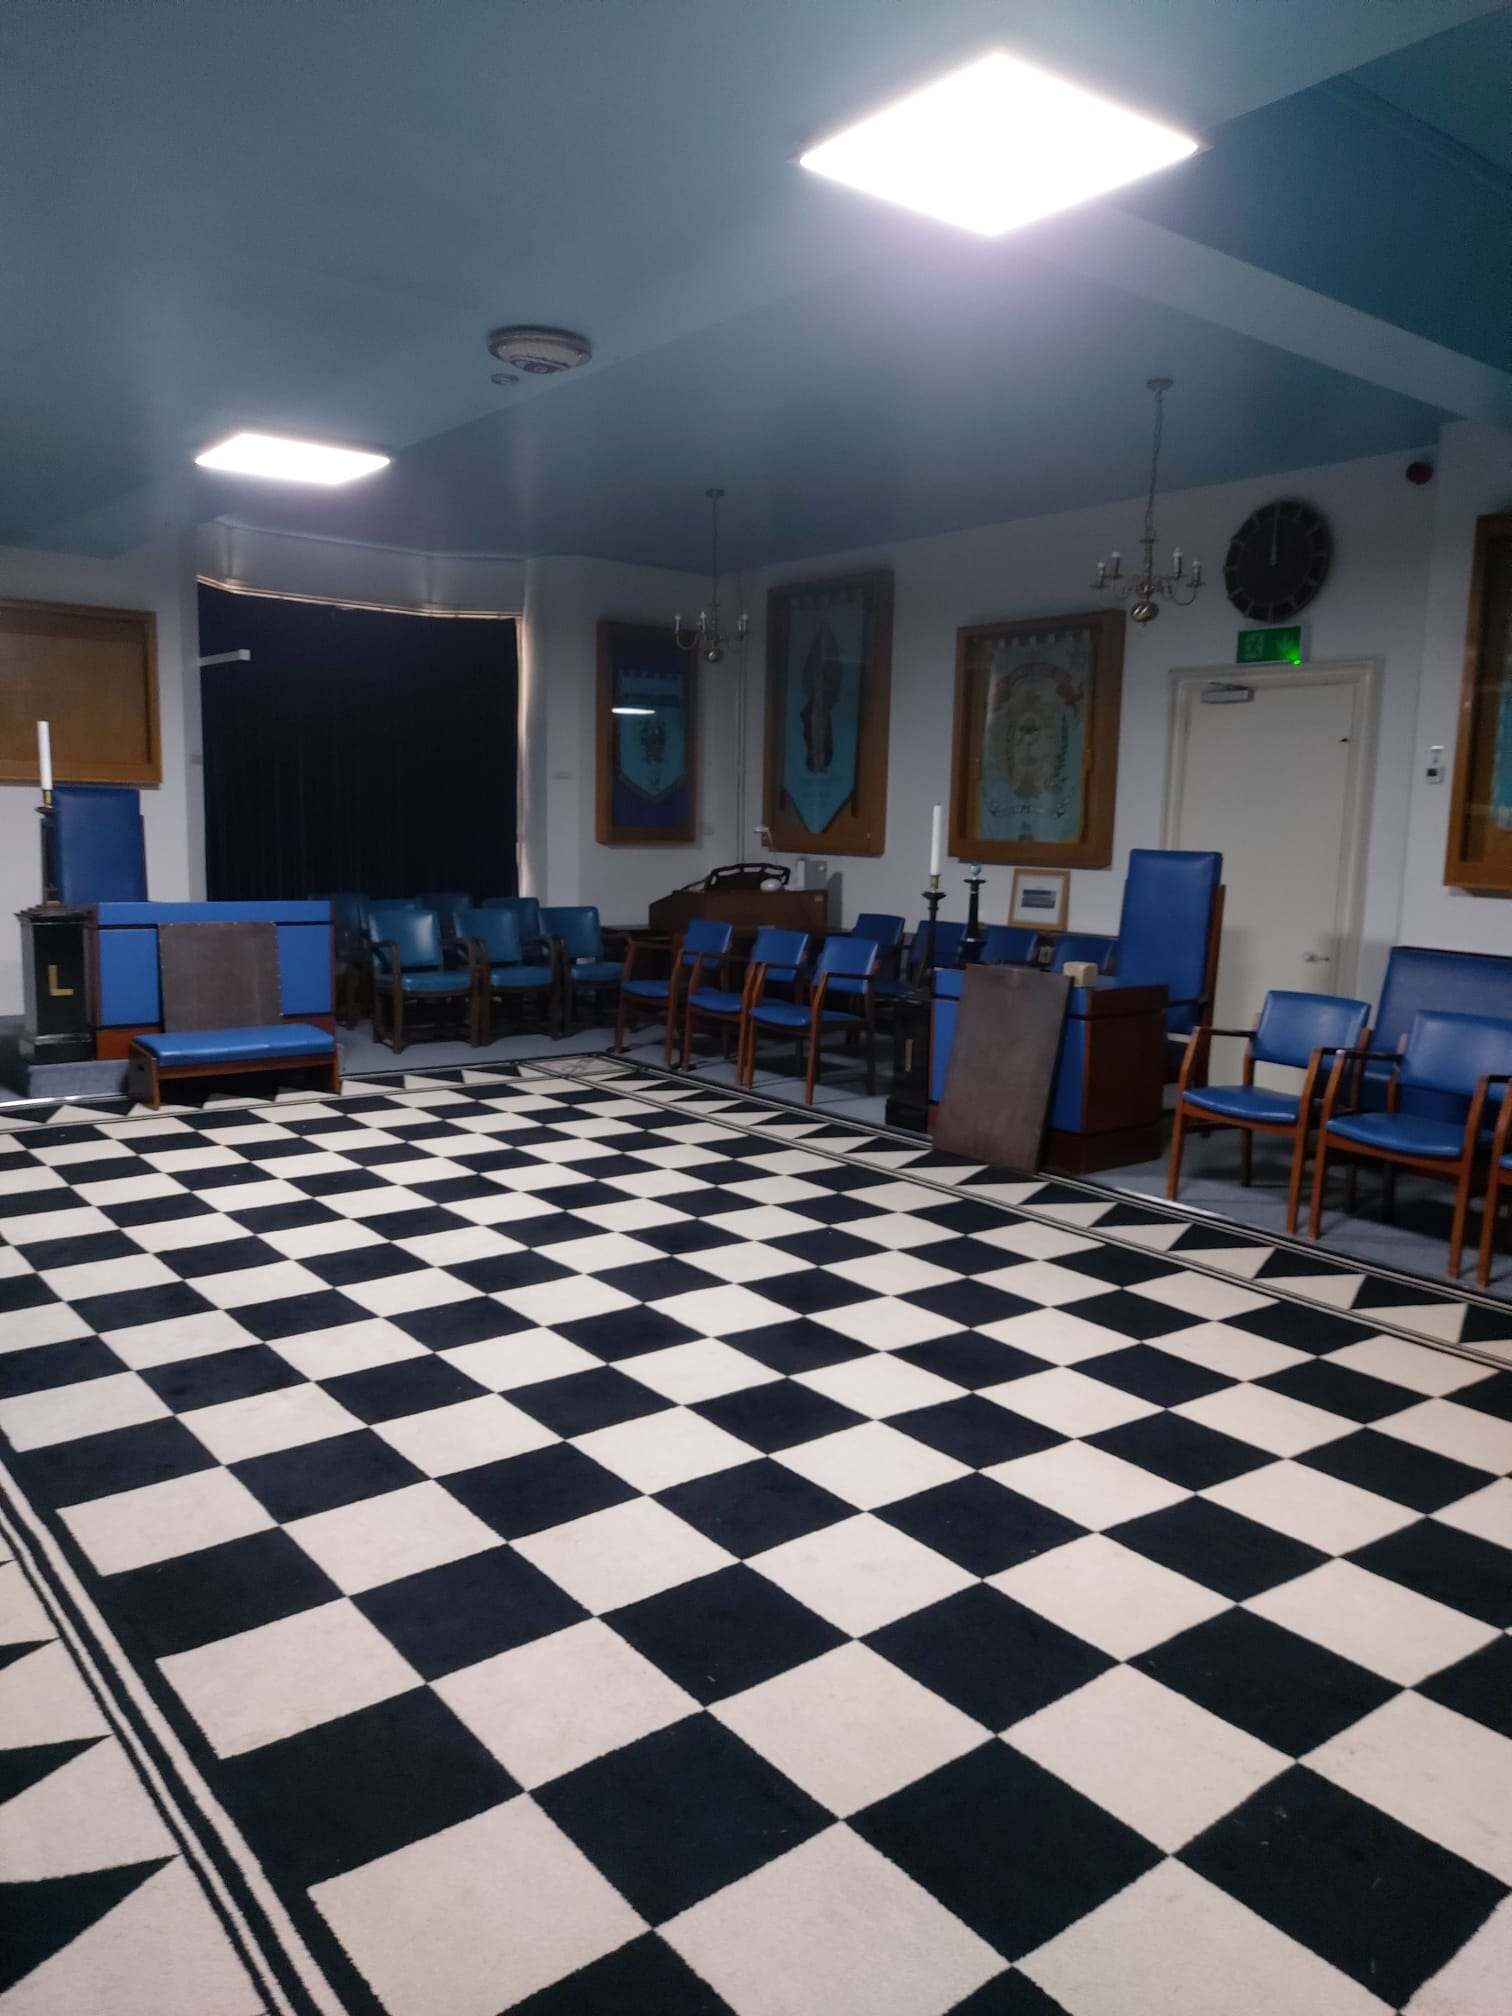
[165, 1056]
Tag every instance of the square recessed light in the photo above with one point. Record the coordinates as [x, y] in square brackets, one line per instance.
[250, 454]
[997, 145]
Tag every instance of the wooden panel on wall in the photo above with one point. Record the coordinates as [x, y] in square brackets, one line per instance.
[1479, 854]
[91, 673]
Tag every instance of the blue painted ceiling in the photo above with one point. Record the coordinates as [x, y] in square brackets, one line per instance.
[305, 215]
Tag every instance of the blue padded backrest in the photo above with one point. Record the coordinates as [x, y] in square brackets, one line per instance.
[527, 913]
[577, 925]
[1163, 931]
[1074, 946]
[947, 944]
[1009, 945]
[348, 912]
[100, 855]
[446, 903]
[885, 930]
[1292, 1026]
[1448, 1053]
[779, 948]
[1417, 976]
[708, 937]
[497, 929]
[849, 954]
[417, 933]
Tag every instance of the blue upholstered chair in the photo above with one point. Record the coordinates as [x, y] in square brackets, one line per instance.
[410, 969]
[1168, 932]
[1303, 1031]
[353, 957]
[446, 903]
[947, 952]
[886, 933]
[526, 911]
[773, 952]
[1501, 1170]
[500, 971]
[1090, 947]
[578, 940]
[1467, 1056]
[1009, 945]
[844, 957]
[706, 942]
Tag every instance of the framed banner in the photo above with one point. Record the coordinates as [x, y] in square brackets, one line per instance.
[829, 670]
[1479, 854]
[1034, 768]
[647, 737]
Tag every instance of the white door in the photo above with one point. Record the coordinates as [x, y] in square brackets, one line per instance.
[1274, 782]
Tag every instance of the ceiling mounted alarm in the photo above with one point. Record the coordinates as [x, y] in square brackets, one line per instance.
[539, 352]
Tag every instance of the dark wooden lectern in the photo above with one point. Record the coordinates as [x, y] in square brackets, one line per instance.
[747, 909]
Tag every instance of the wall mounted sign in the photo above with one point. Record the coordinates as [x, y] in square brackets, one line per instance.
[647, 738]
[829, 668]
[1034, 772]
[1040, 898]
[1269, 647]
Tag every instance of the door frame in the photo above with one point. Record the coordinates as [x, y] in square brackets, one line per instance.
[1363, 675]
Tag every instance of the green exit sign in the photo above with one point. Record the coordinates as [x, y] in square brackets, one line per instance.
[1270, 647]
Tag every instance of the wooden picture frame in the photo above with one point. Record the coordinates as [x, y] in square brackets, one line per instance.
[1049, 686]
[1040, 898]
[647, 765]
[91, 673]
[1478, 855]
[829, 682]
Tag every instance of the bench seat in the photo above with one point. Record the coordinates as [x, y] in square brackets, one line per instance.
[157, 1055]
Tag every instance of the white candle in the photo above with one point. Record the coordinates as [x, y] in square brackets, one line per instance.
[44, 754]
[934, 842]
[1178, 560]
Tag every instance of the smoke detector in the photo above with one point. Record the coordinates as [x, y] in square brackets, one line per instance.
[540, 353]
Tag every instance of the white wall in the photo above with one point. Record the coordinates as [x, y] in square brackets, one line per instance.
[561, 859]
[1474, 478]
[1372, 607]
[160, 578]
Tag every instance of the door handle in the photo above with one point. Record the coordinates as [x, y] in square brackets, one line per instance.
[1316, 958]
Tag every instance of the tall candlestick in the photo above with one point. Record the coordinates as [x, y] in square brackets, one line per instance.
[934, 841]
[44, 754]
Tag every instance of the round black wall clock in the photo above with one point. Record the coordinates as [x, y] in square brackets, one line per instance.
[1277, 560]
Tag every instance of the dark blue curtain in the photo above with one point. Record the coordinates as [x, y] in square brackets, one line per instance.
[357, 751]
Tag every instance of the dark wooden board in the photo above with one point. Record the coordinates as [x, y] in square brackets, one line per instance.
[1002, 1066]
[219, 976]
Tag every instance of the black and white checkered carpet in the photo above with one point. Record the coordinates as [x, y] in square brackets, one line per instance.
[576, 1542]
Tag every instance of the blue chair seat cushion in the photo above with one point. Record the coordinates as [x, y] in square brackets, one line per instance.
[788, 1015]
[648, 990]
[596, 972]
[1408, 1133]
[435, 983]
[1246, 1102]
[715, 1001]
[519, 976]
[237, 1046]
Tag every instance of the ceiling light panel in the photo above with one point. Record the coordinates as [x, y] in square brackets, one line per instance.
[997, 145]
[289, 461]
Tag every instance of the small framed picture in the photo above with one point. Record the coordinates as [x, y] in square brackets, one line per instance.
[1040, 898]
